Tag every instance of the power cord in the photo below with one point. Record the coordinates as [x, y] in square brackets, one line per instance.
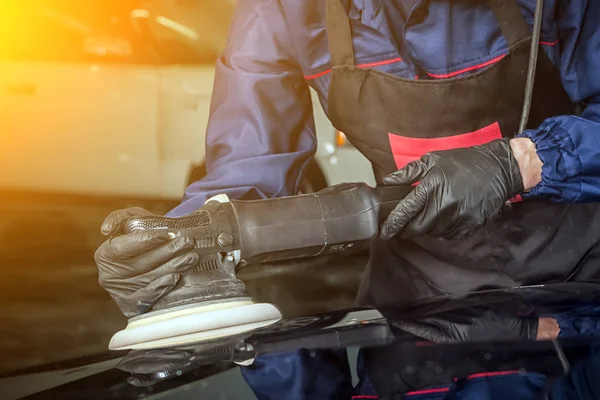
[533, 57]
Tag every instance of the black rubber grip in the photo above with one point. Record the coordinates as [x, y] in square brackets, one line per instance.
[336, 219]
[194, 220]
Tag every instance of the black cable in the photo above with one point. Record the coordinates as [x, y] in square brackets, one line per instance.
[564, 362]
[533, 57]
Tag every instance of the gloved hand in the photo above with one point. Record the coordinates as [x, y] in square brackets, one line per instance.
[472, 325]
[138, 268]
[458, 191]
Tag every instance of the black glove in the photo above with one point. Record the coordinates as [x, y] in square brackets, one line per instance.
[472, 325]
[137, 269]
[458, 191]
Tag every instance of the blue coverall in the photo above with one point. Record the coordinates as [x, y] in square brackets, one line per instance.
[261, 132]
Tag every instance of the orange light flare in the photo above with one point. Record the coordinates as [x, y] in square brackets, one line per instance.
[53, 89]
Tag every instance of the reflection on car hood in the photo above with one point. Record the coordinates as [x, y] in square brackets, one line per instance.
[211, 368]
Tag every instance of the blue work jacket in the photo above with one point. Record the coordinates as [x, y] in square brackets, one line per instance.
[261, 132]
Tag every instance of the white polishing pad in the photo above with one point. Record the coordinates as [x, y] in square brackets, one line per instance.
[194, 323]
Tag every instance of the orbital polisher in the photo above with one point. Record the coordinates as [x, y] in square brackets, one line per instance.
[209, 302]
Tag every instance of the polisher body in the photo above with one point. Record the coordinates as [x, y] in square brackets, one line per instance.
[229, 234]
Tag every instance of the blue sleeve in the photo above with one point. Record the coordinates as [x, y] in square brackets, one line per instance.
[261, 131]
[569, 146]
[582, 321]
[304, 374]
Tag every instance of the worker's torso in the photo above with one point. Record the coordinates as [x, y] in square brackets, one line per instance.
[400, 37]
[472, 96]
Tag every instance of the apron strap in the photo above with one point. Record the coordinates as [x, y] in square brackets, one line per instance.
[511, 21]
[339, 34]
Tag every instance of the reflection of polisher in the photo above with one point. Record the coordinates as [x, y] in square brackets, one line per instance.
[391, 338]
[210, 302]
[151, 366]
[336, 330]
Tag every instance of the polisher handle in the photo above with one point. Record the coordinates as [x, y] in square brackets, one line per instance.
[333, 220]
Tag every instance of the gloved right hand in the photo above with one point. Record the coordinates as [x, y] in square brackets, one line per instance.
[138, 268]
[459, 190]
[472, 325]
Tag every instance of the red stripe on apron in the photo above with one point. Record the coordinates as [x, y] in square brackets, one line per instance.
[428, 391]
[490, 374]
[471, 68]
[407, 149]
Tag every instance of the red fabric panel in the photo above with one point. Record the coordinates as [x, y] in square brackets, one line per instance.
[407, 149]
[516, 199]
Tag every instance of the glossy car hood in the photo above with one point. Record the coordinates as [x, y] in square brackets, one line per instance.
[210, 370]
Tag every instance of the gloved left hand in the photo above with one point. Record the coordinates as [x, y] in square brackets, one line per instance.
[138, 268]
[458, 191]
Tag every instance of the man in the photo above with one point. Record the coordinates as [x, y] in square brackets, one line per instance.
[430, 92]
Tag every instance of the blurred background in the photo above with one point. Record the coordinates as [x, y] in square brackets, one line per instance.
[104, 105]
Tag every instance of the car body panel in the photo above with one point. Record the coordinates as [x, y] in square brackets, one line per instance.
[107, 375]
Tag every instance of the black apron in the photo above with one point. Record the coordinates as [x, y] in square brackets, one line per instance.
[393, 121]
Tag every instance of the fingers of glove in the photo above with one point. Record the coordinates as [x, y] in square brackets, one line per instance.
[125, 247]
[404, 212]
[461, 226]
[411, 173]
[163, 254]
[114, 222]
[143, 299]
[178, 265]
[124, 279]
[435, 222]
[422, 330]
[421, 224]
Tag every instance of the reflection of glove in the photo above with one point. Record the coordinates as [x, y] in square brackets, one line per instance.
[458, 191]
[472, 325]
[137, 269]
